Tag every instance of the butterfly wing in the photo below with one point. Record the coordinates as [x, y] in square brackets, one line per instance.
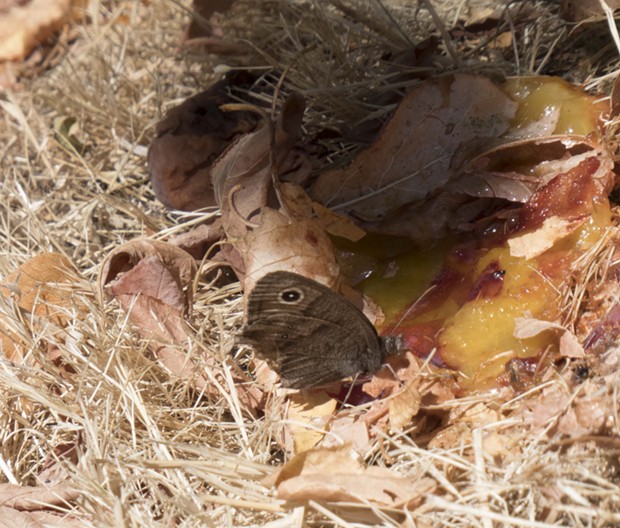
[307, 332]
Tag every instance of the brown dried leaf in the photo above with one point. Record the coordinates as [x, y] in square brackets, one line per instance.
[549, 405]
[590, 416]
[25, 25]
[205, 16]
[569, 344]
[279, 243]
[242, 176]
[189, 140]
[553, 229]
[605, 327]
[390, 377]
[43, 286]
[32, 498]
[377, 485]
[152, 281]
[460, 424]
[307, 415]
[589, 412]
[337, 474]
[12, 346]
[10, 518]
[175, 270]
[200, 239]
[55, 466]
[46, 286]
[515, 168]
[295, 200]
[337, 224]
[526, 327]
[441, 114]
[339, 459]
[347, 429]
[404, 406]
[585, 10]
[154, 298]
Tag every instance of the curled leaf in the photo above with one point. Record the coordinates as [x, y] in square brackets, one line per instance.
[413, 155]
[189, 140]
[338, 475]
[279, 243]
[530, 245]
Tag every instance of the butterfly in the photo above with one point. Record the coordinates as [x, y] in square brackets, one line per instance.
[310, 334]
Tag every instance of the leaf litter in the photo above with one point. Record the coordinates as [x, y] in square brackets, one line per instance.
[410, 444]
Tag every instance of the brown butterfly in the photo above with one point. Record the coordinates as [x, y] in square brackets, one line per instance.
[309, 334]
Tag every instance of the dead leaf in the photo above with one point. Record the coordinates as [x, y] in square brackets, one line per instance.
[307, 417]
[338, 475]
[189, 141]
[25, 25]
[404, 406]
[38, 519]
[526, 327]
[172, 269]
[205, 31]
[200, 239]
[377, 485]
[338, 459]
[47, 286]
[441, 114]
[553, 229]
[451, 437]
[514, 168]
[279, 243]
[390, 377]
[294, 200]
[462, 420]
[43, 286]
[585, 10]
[589, 412]
[502, 41]
[204, 17]
[155, 299]
[32, 498]
[242, 177]
[592, 416]
[55, 466]
[457, 182]
[569, 344]
[337, 224]
[345, 429]
[607, 328]
[152, 281]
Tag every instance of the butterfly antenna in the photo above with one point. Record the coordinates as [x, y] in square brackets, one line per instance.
[412, 307]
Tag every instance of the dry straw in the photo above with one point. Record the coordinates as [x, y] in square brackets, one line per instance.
[153, 452]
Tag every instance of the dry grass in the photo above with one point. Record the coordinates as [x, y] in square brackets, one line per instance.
[153, 452]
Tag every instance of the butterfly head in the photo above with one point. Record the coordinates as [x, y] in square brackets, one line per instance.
[392, 344]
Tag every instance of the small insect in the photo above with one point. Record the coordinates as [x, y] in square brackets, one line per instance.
[309, 334]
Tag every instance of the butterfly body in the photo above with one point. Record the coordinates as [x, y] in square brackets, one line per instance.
[308, 333]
